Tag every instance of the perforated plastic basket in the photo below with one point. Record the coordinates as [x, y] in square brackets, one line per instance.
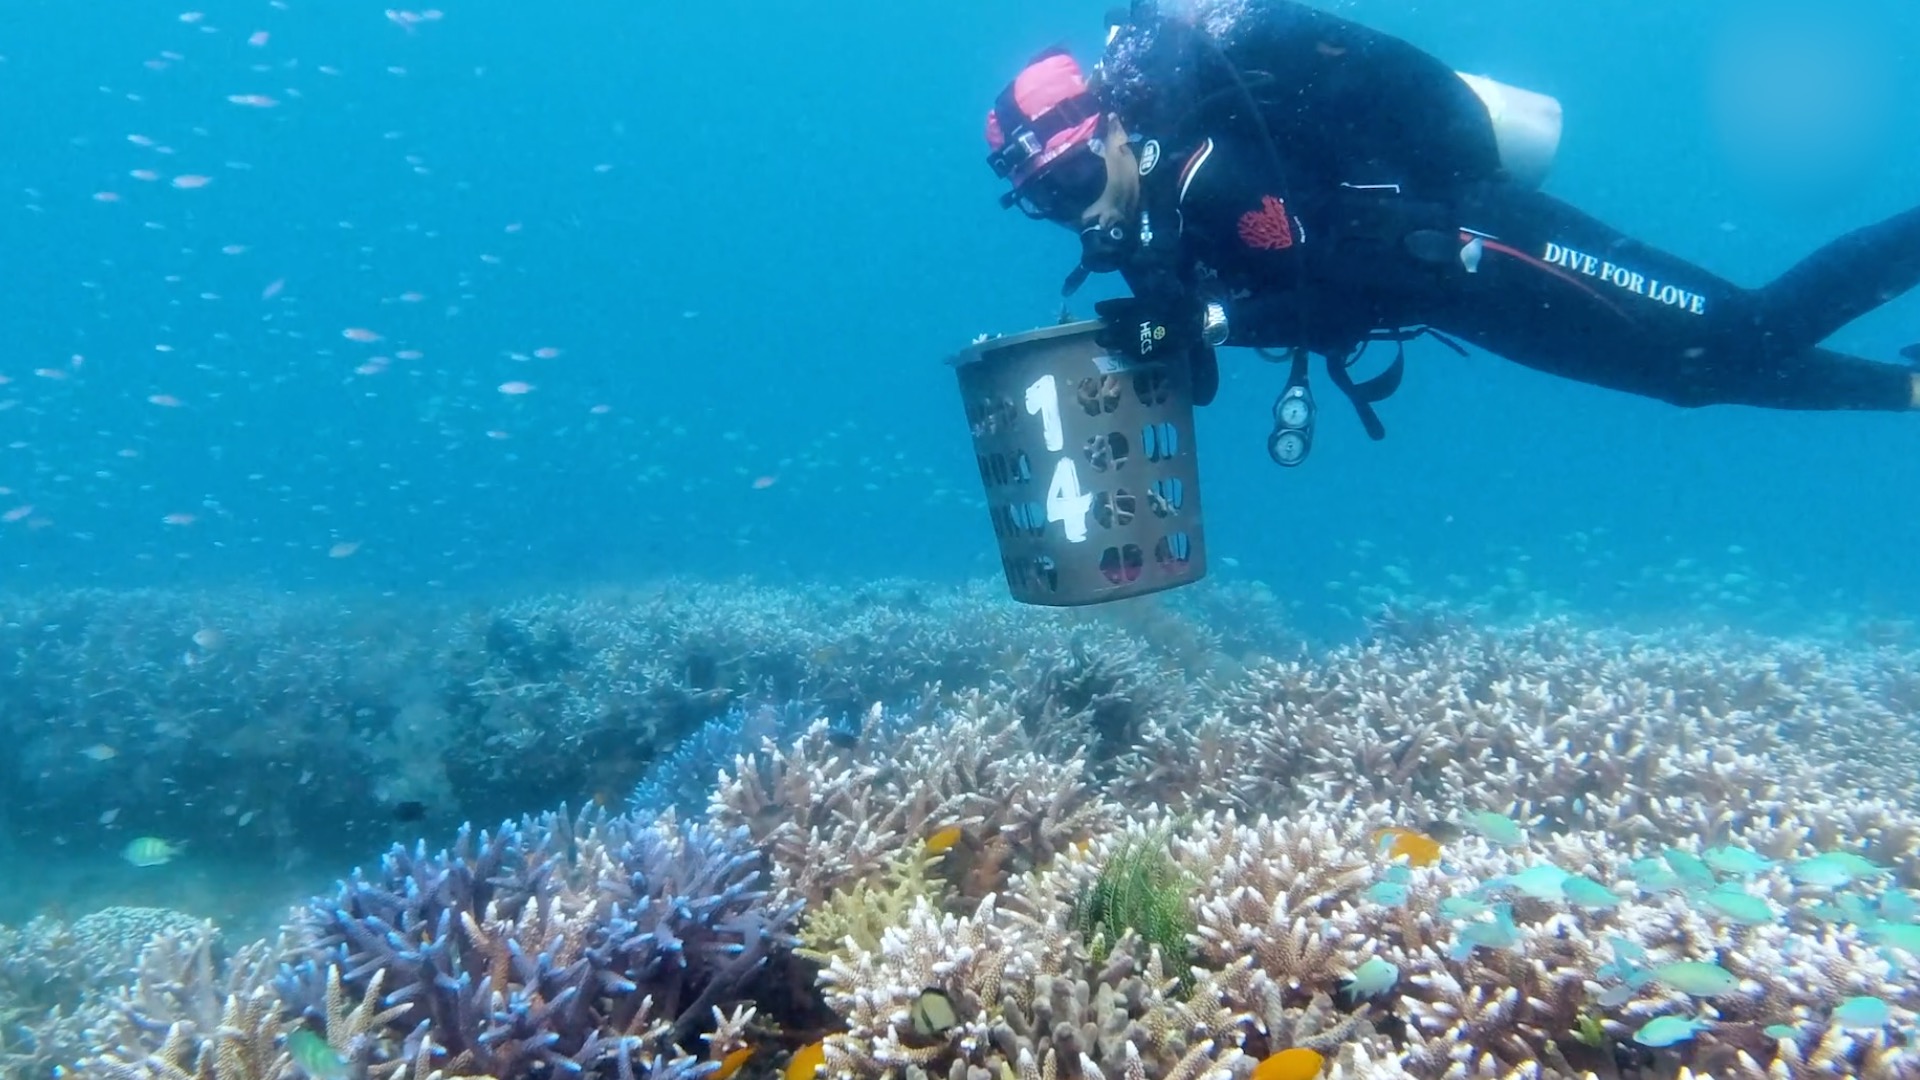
[1089, 466]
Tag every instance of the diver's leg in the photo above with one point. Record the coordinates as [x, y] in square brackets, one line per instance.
[1562, 292]
[1823, 379]
[1559, 291]
[1842, 281]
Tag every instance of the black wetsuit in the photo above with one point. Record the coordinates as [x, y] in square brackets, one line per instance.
[1368, 195]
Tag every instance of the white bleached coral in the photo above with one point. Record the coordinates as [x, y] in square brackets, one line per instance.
[832, 810]
[1028, 1000]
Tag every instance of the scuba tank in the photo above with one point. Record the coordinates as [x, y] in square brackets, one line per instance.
[1526, 127]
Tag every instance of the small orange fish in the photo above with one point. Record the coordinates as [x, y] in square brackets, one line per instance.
[732, 1062]
[944, 840]
[807, 1061]
[1295, 1063]
[1417, 848]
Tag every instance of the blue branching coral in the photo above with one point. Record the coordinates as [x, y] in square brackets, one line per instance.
[683, 779]
[559, 945]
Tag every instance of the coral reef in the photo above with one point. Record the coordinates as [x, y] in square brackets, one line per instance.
[288, 726]
[189, 1013]
[859, 915]
[1154, 843]
[683, 779]
[1582, 729]
[833, 807]
[60, 982]
[1028, 1000]
[575, 944]
[1581, 781]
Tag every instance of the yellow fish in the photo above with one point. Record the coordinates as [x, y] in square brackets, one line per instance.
[1418, 848]
[151, 851]
[732, 1062]
[1297, 1063]
[944, 840]
[807, 1061]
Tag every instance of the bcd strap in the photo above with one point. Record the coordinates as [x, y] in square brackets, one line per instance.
[1297, 375]
[1364, 395]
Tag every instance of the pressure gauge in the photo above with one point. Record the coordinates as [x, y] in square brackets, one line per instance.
[1294, 409]
[1288, 446]
[1292, 436]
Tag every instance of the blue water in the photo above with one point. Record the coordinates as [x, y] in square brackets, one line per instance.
[753, 231]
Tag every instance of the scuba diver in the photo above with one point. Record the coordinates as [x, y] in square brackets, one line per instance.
[1284, 179]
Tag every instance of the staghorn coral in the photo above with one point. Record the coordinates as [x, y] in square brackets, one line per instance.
[1504, 1006]
[1283, 921]
[243, 1044]
[589, 943]
[1277, 891]
[1612, 750]
[1029, 1001]
[1588, 730]
[860, 914]
[189, 1012]
[683, 779]
[1097, 688]
[813, 807]
[831, 810]
[62, 984]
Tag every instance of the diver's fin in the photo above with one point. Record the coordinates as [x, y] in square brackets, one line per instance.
[1911, 354]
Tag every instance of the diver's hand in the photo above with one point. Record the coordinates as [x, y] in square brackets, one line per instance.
[1144, 328]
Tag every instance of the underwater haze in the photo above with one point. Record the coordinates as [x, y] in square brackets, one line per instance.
[521, 439]
[278, 269]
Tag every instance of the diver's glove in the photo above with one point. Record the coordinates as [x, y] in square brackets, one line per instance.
[1147, 329]
[1138, 329]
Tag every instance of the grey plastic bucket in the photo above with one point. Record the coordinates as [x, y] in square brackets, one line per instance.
[1089, 466]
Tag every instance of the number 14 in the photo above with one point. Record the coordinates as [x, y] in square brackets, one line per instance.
[1066, 503]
